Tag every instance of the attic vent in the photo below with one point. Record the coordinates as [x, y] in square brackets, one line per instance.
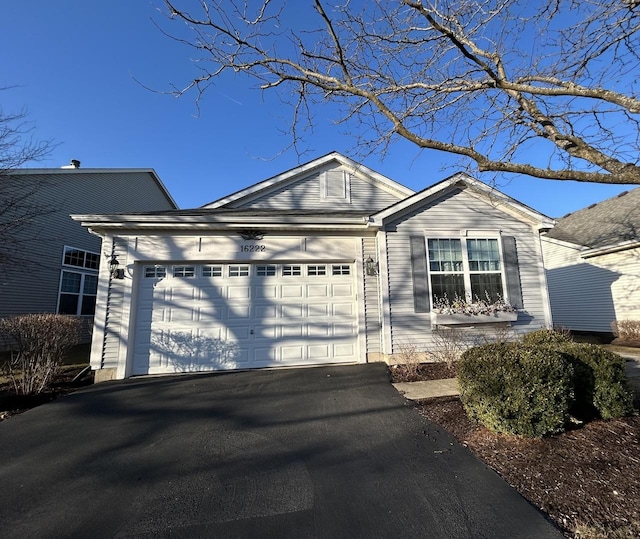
[592, 206]
[622, 194]
[335, 185]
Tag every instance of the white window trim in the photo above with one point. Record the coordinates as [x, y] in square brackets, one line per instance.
[466, 271]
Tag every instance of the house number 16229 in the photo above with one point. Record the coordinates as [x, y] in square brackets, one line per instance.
[252, 248]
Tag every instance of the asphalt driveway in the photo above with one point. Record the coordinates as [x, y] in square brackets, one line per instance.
[331, 452]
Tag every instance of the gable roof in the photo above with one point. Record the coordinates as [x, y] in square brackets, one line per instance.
[70, 172]
[265, 187]
[475, 187]
[612, 222]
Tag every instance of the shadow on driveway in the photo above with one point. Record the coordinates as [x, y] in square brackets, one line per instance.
[329, 452]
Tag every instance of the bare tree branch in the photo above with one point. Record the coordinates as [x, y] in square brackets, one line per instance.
[549, 92]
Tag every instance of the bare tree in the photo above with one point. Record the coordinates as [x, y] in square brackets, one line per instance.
[546, 89]
[19, 204]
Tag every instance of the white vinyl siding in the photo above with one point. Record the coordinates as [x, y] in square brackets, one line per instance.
[588, 294]
[455, 211]
[373, 322]
[115, 333]
[344, 191]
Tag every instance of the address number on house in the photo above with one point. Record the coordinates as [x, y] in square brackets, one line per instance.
[253, 248]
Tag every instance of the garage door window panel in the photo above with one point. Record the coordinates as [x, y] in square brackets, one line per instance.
[238, 271]
[184, 271]
[212, 271]
[155, 272]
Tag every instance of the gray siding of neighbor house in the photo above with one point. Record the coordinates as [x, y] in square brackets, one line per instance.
[454, 212]
[305, 194]
[33, 288]
[589, 294]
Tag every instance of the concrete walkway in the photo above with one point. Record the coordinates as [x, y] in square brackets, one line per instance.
[449, 387]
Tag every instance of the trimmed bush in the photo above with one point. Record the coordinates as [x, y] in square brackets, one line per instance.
[517, 389]
[546, 337]
[601, 384]
[38, 343]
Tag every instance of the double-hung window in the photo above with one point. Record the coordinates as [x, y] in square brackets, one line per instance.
[467, 268]
[78, 282]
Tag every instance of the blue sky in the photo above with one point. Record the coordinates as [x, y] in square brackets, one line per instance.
[74, 65]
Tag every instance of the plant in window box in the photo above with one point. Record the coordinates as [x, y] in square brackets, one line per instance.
[480, 311]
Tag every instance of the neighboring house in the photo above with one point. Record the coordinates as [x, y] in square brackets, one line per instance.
[592, 258]
[329, 262]
[54, 262]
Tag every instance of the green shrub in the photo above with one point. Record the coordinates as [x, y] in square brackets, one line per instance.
[38, 343]
[601, 384]
[517, 389]
[546, 337]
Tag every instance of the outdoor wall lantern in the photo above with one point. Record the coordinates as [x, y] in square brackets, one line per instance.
[371, 266]
[116, 272]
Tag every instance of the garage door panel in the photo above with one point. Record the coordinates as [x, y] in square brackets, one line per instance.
[343, 330]
[292, 311]
[185, 314]
[316, 310]
[263, 312]
[343, 350]
[266, 291]
[292, 353]
[239, 312]
[292, 330]
[292, 291]
[317, 290]
[238, 292]
[342, 291]
[225, 321]
[212, 313]
[342, 309]
[319, 352]
[318, 330]
[265, 355]
[267, 332]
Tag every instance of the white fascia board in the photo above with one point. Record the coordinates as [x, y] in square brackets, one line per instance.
[136, 222]
[508, 204]
[306, 168]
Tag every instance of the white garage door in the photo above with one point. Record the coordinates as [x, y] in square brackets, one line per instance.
[233, 316]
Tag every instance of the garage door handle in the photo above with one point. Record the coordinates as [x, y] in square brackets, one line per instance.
[250, 332]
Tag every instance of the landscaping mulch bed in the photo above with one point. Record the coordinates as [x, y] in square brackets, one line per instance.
[63, 383]
[587, 479]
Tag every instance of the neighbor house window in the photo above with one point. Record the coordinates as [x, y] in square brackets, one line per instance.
[469, 268]
[77, 293]
[80, 258]
[79, 285]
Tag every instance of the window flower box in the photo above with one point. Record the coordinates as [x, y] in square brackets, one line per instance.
[472, 319]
